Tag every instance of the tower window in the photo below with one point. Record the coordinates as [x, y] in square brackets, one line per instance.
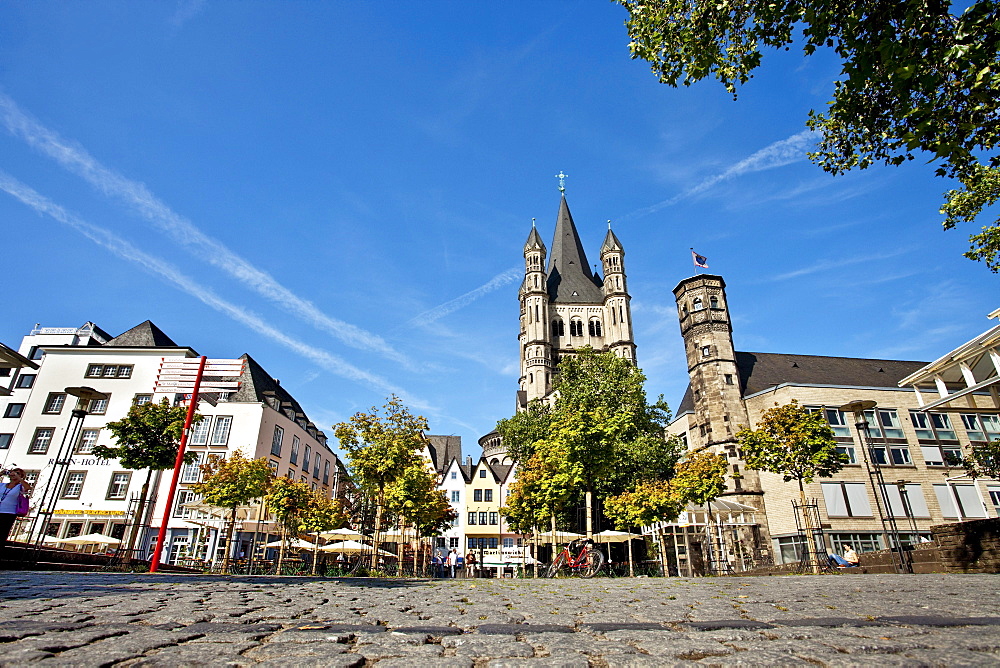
[558, 329]
[575, 327]
[729, 379]
[698, 304]
[713, 301]
[595, 327]
[706, 351]
[536, 312]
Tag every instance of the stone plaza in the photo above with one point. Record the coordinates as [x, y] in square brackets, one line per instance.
[103, 619]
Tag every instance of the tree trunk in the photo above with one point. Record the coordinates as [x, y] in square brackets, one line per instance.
[631, 562]
[230, 530]
[553, 536]
[133, 534]
[590, 514]
[810, 537]
[377, 534]
[663, 552]
[534, 556]
[315, 552]
[281, 550]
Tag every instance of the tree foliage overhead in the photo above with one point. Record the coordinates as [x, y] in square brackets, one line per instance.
[794, 443]
[982, 462]
[233, 481]
[148, 437]
[918, 79]
[414, 496]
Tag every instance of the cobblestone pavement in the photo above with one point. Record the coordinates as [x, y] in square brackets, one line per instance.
[70, 619]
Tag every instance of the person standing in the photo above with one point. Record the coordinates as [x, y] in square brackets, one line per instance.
[10, 495]
[450, 563]
[470, 564]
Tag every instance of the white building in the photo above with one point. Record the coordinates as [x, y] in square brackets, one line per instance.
[260, 419]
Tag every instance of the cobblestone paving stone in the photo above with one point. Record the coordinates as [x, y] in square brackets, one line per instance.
[80, 619]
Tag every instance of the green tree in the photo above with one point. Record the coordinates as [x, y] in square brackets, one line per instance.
[381, 446]
[795, 443]
[521, 431]
[701, 477]
[322, 514]
[147, 438]
[917, 79]
[288, 501]
[230, 483]
[983, 462]
[416, 500]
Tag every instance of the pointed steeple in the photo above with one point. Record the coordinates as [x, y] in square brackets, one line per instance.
[611, 242]
[534, 240]
[143, 335]
[570, 278]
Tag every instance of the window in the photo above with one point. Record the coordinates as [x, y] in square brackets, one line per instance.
[5, 440]
[40, 441]
[932, 426]
[883, 423]
[185, 497]
[981, 427]
[472, 519]
[729, 379]
[492, 542]
[36, 353]
[54, 404]
[453, 542]
[456, 496]
[835, 417]
[220, 433]
[279, 435]
[508, 542]
[477, 495]
[25, 380]
[706, 351]
[454, 475]
[109, 371]
[494, 518]
[482, 473]
[74, 529]
[326, 472]
[575, 327]
[594, 326]
[906, 502]
[98, 407]
[697, 304]
[191, 473]
[317, 463]
[995, 499]
[959, 501]
[294, 456]
[88, 439]
[142, 399]
[14, 410]
[31, 477]
[306, 458]
[74, 484]
[713, 301]
[482, 517]
[119, 485]
[861, 542]
[199, 431]
[488, 495]
[274, 466]
[558, 329]
[846, 499]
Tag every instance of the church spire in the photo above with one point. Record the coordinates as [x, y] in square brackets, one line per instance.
[569, 277]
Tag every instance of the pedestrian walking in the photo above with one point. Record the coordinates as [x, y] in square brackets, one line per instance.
[436, 563]
[13, 502]
[450, 563]
[470, 564]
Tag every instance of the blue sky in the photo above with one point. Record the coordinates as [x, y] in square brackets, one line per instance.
[343, 190]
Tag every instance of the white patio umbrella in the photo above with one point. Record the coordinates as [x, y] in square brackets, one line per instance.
[352, 547]
[89, 539]
[297, 544]
[611, 536]
[342, 534]
[561, 536]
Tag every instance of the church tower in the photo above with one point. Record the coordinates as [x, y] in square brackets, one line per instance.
[715, 382]
[568, 305]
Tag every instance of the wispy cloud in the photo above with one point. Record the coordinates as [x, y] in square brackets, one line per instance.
[171, 274]
[186, 10]
[780, 153]
[438, 312]
[826, 265]
[77, 160]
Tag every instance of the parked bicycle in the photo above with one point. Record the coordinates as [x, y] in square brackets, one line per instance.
[586, 563]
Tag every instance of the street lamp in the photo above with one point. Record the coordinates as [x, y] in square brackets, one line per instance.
[54, 485]
[876, 480]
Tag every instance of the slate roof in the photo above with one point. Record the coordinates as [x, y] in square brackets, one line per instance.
[762, 371]
[443, 449]
[534, 240]
[143, 335]
[611, 241]
[570, 280]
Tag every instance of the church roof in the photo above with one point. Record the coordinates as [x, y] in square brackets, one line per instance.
[762, 371]
[143, 335]
[570, 280]
[611, 242]
[534, 240]
[443, 449]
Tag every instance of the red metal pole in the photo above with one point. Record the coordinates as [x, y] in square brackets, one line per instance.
[154, 563]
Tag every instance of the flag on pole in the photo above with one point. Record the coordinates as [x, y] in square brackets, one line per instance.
[699, 260]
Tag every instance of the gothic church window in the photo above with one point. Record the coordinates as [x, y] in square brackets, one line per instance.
[713, 301]
[557, 328]
[575, 327]
[595, 327]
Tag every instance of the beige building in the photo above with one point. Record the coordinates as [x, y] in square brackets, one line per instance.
[912, 433]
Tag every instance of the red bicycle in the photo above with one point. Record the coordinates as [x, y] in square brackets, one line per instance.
[587, 563]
